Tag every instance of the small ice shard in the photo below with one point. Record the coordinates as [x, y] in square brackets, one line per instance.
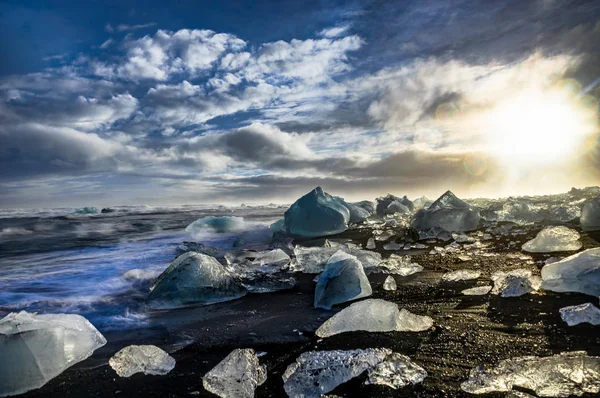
[561, 375]
[389, 283]
[583, 313]
[448, 213]
[463, 257]
[461, 275]
[194, 278]
[215, 224]
[147, 359]
[396, 371]
[577, 273]
[342, 280]
[554, 239]
[236, 376]
[357, 213]
[316, 214]
[400, 265]
[477, 291]
[371, 244]
[590, 215]
[515, 283]
[36, 348]
[392, 246]
[374, 315]
[391, 204]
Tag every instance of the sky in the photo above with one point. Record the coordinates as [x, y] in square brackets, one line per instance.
[148, 102]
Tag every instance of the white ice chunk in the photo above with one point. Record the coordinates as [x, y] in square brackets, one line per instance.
[590, 215]
[316, 214]
[400, 265]
[194, 278]
[389, 283]
[461, 275]
[374, 315]
[371, 243]
[448, 213]
[554, 239]
[515, 283]
[396, 371]
[562, 375]
[236, 376]
[477, 291]
[36, 348]
[583, 313]
[577, 273]
[147, 359]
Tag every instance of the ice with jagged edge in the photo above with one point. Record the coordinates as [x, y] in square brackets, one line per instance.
[477, 291]
[582, 313]
[236, 376]
[391, 204]
[461, 275]
[315, 373]
[577, 273]
[312, 260]
[266, 261]
[35, 348]
[448, 213]
[399, 265]
[515, 283]
[561, 375]
[147, 359]
[536, 210]
[358, 214]
[374, 315]
[194, 278]
[342, 280]
[389, 283]
[316, 214]
[554, 239]
[590, 215]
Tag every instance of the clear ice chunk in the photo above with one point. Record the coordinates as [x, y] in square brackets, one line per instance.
[396, 371]
[400, 265]
[577, 273]
[236, 376]
[35, 348]
[515, 283]
[342, 280]
[590, 215]
[461, 275]
[389, 283]
[374, 315]
[448, 213]
[371, 244]
[582, 313]
[477, 291]
[562, 375]
[147, 359]
[194, 278]
[554, 239]
[312, 260]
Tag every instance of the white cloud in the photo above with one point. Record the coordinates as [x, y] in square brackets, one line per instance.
[335, 31]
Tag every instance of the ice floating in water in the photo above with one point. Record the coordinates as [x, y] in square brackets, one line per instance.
[37, 348]
[590, 215]
[562, 375]
[515, 283]
[316, 214]
[448, 213]
[577, 273]
[342, 280]
[86, 210]
[236, 376]
[315, 373]
[477, 291]
[400, 265]
[147, 359]
[215, 224]
[461, 275]
[194, 278]
[374, 315]
[583, 313]
[389, 283]
[554, 239]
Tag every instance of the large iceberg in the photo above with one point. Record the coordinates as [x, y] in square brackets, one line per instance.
[316, 214]
[582, 313]
[236, 376]
[194, 278]
[36, 348]
[554, 239]
[342, 280]
[590, 215]
[448, 213]
[148, 359]
[216, 224]
[577, 273]
[374, 315]
[562, 375]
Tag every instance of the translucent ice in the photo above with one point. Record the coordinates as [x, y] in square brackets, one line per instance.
[147, 359]
[236, 376]
[357, 213]
[367, 205]
[374, 315]
[583, 313]
[477, 291]
[371, 243]
[590, 215]
[316, 214]
[312, 260]
[269, 260]
[577, 273]
[461, 275]
[554, 239]
[194, 278]
[396, 371]
[400, 265]
[215, 224]
[342, 280]
[392, 246]
[389, 283]
[448, 213]
[391, 204]
[562, 375]
[86, 210]
[515, 283]
[36, 348]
